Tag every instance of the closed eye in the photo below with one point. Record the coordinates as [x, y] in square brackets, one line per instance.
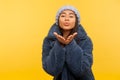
[71, 16]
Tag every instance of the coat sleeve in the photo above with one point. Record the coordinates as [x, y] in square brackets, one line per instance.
[53, 57]
[79, 57]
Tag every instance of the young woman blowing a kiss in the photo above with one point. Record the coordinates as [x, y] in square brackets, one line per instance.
[67, 49]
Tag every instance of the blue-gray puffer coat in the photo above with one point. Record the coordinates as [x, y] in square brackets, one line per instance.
[71, 62]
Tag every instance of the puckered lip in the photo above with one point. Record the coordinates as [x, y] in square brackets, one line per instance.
[66, 23]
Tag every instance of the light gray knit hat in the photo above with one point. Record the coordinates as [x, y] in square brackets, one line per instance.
[68, 7]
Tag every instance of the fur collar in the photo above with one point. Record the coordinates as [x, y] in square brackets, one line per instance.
[54, 28]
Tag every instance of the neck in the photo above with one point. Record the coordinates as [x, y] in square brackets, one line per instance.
[66, 33]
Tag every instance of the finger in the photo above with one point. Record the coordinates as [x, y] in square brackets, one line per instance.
[61, 37]
[69, 37]
[74, 34]
[55, 33]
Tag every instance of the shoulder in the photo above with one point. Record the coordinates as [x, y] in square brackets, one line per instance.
[48, 42]
[82, 38]
[54, 28]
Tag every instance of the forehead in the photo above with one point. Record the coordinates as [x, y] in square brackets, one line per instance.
[67, 12]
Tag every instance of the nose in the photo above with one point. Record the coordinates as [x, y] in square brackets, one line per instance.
[66, 18]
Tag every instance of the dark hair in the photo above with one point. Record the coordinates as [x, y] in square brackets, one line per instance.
[72, 30]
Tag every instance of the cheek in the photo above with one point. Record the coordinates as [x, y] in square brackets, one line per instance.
[73, 22]
[61, 21]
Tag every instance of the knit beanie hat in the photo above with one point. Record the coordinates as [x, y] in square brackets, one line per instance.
[67, 8]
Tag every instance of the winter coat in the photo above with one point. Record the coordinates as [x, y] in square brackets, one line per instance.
[71, 62]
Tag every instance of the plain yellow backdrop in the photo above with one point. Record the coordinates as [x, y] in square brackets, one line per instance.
[25, 23]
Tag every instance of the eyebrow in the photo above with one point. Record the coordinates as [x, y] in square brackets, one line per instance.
[69, 13]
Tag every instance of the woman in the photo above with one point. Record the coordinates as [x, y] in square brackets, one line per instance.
[67, 50]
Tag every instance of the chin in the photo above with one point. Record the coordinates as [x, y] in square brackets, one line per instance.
[66, 29]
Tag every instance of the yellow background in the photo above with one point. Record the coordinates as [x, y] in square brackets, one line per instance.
[25, 23]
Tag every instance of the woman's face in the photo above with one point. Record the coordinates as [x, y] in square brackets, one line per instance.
[67, 20]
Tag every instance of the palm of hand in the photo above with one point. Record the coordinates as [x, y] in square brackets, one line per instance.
[66, 41]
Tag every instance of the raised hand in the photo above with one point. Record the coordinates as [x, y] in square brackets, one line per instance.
[60, 38]
[66, 41]
[70, 38]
